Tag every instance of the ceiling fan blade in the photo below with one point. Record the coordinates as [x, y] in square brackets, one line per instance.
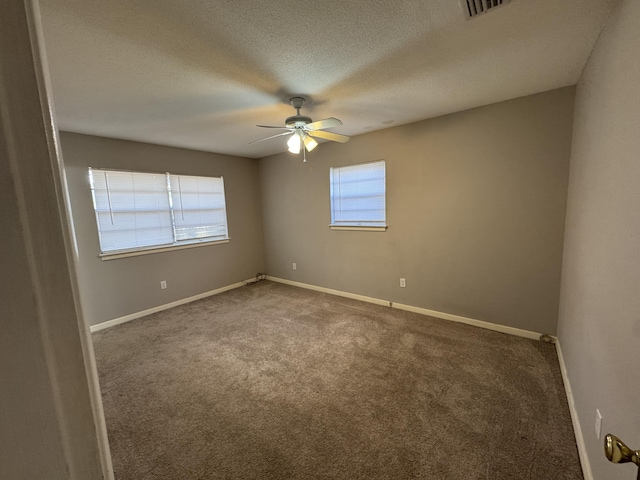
[271, 126]
[272, 136]
[326, 123]
[334, 137]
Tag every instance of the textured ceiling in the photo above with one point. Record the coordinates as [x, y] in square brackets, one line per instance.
[201, 74]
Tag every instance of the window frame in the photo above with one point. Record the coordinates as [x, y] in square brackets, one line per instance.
[158, 248]
[362, 225]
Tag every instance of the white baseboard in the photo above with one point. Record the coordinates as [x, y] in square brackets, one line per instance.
[577, 429]
[518, 332]
[432, 313]
[166, 306]
[339, 293]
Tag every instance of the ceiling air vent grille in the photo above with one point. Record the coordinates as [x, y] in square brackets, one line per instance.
[474, 8]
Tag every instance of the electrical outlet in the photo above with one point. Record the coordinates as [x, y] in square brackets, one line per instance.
[598, 423]
[295, 267]
[163, 284]
[403, 282]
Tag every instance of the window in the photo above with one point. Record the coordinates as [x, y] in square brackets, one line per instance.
[358, 197]
[198, 207]
[141, 211]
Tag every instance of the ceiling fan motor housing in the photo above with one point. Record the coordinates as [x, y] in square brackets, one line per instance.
[297, 121]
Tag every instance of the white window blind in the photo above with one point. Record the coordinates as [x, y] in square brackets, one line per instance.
[358, 195]
[132, 209]
[141, 211]
[198, 207]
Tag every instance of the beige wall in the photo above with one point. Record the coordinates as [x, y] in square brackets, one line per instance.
[114, 288]
[475, 207]
[599, 325]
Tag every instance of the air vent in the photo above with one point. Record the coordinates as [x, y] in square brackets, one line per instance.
[474, 8]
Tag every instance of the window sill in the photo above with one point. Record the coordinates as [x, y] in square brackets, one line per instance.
[149, 251]
[356, 227]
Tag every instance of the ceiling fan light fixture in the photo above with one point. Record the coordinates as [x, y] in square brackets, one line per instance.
[294, 144]
[309, 142]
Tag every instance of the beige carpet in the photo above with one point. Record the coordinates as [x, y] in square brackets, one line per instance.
[275, 382]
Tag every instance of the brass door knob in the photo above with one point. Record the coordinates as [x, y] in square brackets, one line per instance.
[617, 452]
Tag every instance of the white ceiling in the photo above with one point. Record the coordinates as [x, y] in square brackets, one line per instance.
[202, 73]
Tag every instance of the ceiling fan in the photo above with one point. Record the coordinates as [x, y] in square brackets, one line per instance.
[303, 130]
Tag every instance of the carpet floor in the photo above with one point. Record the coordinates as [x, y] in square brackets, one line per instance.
[276, 382]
